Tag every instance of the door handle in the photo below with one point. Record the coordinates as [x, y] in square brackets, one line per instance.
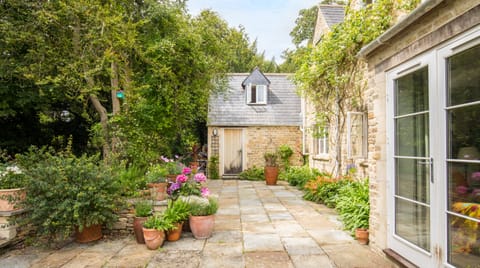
[430, 163]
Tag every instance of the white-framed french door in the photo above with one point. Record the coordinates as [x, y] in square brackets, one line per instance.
[433, 159]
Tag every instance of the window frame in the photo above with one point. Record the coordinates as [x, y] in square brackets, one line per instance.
[321, 146]
[259, 89]
[364, 133]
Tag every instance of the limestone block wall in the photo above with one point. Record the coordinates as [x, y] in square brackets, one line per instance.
[440, 24]
[263, 139]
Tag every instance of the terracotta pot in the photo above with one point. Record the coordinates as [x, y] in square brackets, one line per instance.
[174, 235]
[10, 198]
[88, 234]
[153, 238]
[271, 175]
[138, 229]
[158, 190]
[361, 234]
[202, 226]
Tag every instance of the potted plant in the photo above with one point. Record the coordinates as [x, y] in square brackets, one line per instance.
[12, 182]
[68, 194]
[154, 230]
[202, 215]
[157, 182]
[143, 209]
[177, 212]
[271, 168]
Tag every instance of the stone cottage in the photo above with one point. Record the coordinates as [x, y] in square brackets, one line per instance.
[424, 131]
[320, 136]
[257, 113]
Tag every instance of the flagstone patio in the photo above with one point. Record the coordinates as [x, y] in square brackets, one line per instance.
[256, 226]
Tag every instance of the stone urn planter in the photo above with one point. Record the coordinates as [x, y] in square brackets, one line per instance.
[10, 199]
[202, 226]
[153, 238]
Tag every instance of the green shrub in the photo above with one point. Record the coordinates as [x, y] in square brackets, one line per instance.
[299, 176]
[285, 152]
[213, 168]
[143, 208]
[159, 222]
[177, 211]
[200, 206]
[131, 179]
[353, 205]
[65, 191]
[252, 174]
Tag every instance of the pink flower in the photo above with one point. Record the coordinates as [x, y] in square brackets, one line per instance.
[462, 189]
[200, 177]
[476, 176]
[205, 191]
[182, 178]
[186, 170]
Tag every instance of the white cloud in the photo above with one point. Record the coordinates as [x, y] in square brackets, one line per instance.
[268, 21]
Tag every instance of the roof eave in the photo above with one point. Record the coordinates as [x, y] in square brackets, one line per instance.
[421, 10]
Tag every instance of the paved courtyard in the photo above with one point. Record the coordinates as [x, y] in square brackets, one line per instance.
[256, 226]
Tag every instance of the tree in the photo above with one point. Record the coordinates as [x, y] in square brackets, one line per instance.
[304, 26]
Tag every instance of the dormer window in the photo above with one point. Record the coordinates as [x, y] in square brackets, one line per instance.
[256, 94]
[256, 88]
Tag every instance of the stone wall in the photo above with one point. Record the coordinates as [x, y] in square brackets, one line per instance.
[267, 139]
[440, 24]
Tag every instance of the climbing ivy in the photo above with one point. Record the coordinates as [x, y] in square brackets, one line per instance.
[330, 75]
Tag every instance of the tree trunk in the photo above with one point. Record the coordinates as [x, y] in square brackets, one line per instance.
[103, 122]
[115, 87]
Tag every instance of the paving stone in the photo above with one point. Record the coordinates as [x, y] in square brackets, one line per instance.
[301, 246]
[261, 242]
[225, 237]
[258, 227]
[223, 249]
[59, 258]
[251, 210]
[274, 207]
[267, 259]
[355, 255]
[313, 261]
[186, 242]
[133, 255]
[327, 237]
[256, 218]
[227, 223]
[177, 258]
[214, 261]
[280, 216]
[289, 229]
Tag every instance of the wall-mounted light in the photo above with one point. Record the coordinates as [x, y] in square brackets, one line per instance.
[215, 132]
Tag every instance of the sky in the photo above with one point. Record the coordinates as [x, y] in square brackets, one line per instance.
[268, 21]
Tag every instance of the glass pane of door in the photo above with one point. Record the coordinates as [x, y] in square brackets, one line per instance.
[463, 163]
[412, 159]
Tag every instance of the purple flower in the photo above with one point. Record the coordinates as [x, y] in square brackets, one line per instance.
[200, 177]
[205, 191]
[186, 170]
[173, 187]
[182, 178]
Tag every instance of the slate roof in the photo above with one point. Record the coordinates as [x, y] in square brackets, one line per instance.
[333, 14]
[230, 109]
